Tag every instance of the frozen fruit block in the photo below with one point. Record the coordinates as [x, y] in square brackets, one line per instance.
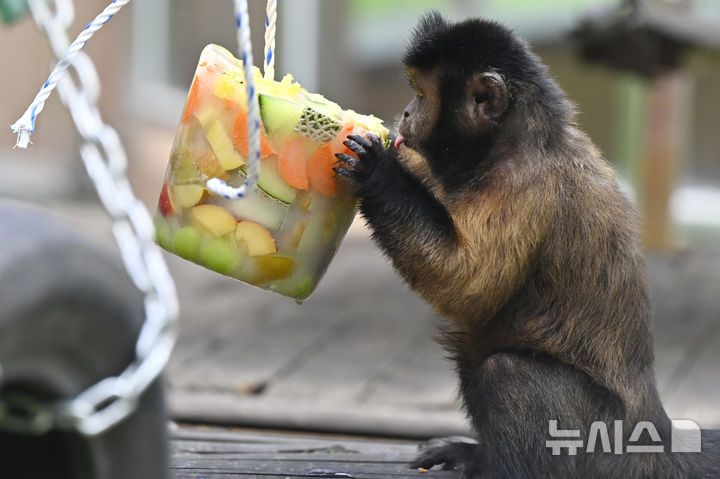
[281, 236]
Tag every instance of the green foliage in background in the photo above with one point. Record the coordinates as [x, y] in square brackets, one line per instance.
[12, 10]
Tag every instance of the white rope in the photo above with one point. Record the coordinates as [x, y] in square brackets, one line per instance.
[270, 21]
[26, 124]
[216, 185]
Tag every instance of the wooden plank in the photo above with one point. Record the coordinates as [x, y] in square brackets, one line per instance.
[317, 366]
[342, 417]
[419, 376]
[217, 453]
[340, 369]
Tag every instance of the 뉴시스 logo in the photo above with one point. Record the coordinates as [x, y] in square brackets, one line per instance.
[685, 437]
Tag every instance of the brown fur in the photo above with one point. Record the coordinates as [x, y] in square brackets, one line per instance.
[504, 217]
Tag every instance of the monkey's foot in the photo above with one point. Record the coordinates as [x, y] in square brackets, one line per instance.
[452, 454]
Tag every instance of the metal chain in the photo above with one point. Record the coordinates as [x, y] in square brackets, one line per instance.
[114, 398]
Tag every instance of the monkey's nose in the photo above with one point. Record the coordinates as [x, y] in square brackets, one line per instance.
[406, 114]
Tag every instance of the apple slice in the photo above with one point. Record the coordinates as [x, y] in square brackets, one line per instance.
[213, 219]
[165, 204]
[187, 196]
[259, 241]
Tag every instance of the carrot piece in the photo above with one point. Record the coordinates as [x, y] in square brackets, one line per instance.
[337, 143]
[193, 100]
[240, 137]
[320, 170]
[292, 164]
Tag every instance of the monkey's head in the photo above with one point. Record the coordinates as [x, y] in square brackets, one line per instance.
[473, 80]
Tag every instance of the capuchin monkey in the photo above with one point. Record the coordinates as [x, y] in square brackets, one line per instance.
[502, 214]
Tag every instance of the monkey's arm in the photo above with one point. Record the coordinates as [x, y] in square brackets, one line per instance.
[467, 255]
[406, 218]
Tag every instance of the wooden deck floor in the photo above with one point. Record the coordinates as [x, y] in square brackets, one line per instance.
[216, 453]
[358, 356]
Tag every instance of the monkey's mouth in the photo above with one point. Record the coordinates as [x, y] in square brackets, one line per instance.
[399, 140]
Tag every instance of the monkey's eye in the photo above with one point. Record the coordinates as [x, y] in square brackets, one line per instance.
[478, 99]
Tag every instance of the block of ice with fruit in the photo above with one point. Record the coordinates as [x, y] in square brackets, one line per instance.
[282, 235]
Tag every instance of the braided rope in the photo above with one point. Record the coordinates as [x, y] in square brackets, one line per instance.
[217, 186]
[26, 123]
[270, 22]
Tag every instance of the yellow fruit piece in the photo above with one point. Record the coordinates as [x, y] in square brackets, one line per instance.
[272, 267]
[366, 122]
[213, 219]
[231, 86]
[288, 87]
[186, 196]
[184, 169]
[222, 146]
[205, 115]
[210, 166]
[259, 241]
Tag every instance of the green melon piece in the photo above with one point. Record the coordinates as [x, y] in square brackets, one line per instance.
[317, 126]
[278, 113]
[280, 116]
[220, 256]
[261, 208]
[272, 183]
[186, 242]
[163, 235]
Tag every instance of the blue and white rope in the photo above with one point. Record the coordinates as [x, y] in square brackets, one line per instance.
[270, 21]
[26, 124]
[216, 185]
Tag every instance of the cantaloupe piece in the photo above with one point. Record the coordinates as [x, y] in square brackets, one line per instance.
[320, 171]
[293, 164]
[240, 137]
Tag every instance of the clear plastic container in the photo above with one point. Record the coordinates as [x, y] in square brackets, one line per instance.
[282, 235]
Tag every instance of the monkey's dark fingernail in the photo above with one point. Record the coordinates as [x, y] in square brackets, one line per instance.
[361, 140]
[345, 158]
[355, 146]
[344, 172]
[348, 160]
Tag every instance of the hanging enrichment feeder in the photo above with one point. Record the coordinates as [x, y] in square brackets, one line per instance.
[282, 234]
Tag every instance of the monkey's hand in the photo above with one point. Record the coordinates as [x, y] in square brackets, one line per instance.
[370, 153]
[408, 222]
[452, 454]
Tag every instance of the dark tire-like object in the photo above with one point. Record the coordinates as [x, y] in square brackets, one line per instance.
[69, 316]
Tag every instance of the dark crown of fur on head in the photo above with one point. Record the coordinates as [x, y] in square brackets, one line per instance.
[470, 46]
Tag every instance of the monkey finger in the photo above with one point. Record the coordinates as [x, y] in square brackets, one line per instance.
[361, 140]
[347, 173]
[356, 148]
[348, 160]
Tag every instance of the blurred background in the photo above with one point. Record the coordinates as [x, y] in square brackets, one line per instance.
[359, 355]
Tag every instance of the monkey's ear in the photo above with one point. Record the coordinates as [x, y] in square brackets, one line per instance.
[488, 96]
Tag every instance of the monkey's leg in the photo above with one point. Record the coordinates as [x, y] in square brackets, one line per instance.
[511, 399]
